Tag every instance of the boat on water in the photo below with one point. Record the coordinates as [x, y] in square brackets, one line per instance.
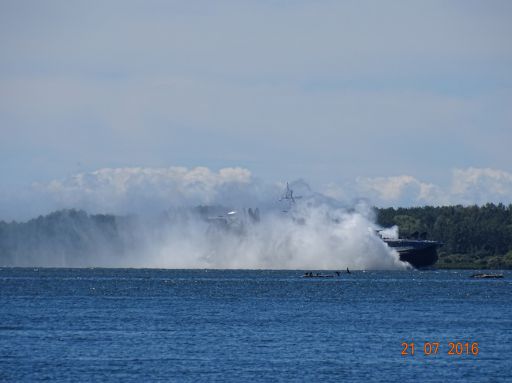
[318, 275]
[486, 276]
[419, 253]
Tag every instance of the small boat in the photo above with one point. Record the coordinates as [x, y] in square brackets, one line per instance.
[318, 275]
[485, 276]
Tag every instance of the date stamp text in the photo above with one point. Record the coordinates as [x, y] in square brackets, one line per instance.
[435, 348]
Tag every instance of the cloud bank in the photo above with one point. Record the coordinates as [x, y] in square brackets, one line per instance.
[144, 190]
[468, 186]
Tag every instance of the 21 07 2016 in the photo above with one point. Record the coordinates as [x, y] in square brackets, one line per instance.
[435, 348]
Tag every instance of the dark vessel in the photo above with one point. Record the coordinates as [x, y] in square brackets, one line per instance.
[487, 276]
[418, 252]
[318, 275]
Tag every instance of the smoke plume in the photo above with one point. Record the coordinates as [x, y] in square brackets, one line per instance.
[306, 231]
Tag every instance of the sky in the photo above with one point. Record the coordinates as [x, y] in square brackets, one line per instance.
[403, 103]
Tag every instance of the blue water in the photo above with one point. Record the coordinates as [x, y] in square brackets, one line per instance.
[217, 325]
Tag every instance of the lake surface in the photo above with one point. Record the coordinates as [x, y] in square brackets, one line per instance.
[233, 325]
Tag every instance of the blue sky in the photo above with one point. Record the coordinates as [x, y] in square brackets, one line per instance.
[356, 97]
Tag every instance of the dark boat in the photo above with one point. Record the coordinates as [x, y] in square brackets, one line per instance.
[487, 276]
[419, 253]
[318, 275]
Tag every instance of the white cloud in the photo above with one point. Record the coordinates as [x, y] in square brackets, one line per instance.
[140, 189]
[152, 190]
[476, 185]
[398, 190]
[122, 190]
[468, 186]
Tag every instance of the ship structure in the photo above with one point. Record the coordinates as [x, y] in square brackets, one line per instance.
[420, 253]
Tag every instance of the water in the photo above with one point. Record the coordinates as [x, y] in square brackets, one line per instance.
[229, 325]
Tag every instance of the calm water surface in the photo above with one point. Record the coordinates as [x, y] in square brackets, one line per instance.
[227, 325]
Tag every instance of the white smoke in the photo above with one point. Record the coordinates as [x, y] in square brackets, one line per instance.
[318, 233]
[313, 231]
[389, 232]
[308, 237]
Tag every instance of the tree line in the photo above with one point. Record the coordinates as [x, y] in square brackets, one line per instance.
[481, 235]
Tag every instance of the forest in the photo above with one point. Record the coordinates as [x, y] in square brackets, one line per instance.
[472, 236]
